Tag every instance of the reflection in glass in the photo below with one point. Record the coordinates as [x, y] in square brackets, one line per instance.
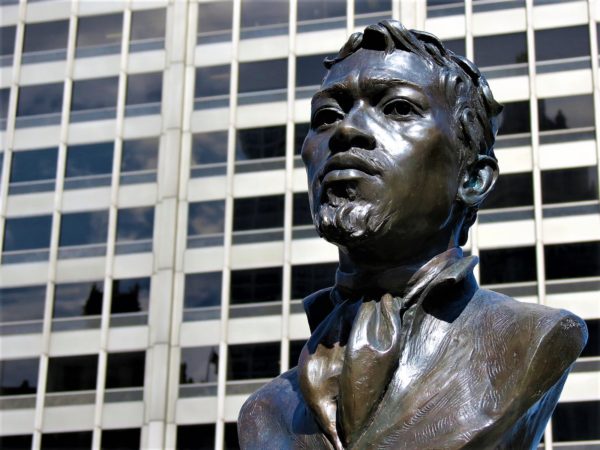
[309, 278]
[582, 183]
[99, 30]
[301, 214]
[33, 165]
[320, 9]
[579, 259]
[78, 299]
[575, 111]
[130, 295]
[511, 190]
[576, 421]
[206, 218]
[89, 159]
[248, 361]
[121, 439]
[264, 13]
[258, 212]
[515, 118]
[500, 50]
[94, 94]
[262, 75]
[144, 88]
[7, 40]
[40, 99]
[196, 437]
[214, 19]
[212, 81]
[27, 233]
[22, 303]
[257, 143]
[125, 369]
[209, 148]
[44, 36]
[559, 43]
[62, 441]
[135, 224]
[199, 365]
[508, 265]
[72, 373]
[256, 285]
[202, 290]
[18, 376]
[310, 70]
[83, 228]
[139, 154]
[148, 24]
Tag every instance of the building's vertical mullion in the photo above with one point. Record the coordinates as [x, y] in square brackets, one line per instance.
[349, 17]
[396, 9]
[595, 80]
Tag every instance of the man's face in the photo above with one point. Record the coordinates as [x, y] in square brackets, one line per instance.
[380, 156]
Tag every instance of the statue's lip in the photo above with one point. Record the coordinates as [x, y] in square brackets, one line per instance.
[349, 163]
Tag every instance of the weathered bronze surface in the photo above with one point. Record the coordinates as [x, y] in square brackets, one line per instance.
[406, 351]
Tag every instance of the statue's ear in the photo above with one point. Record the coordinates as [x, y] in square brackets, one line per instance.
[478, 180]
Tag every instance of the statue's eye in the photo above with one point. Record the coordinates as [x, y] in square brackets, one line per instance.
[399, 108]
[325, 116]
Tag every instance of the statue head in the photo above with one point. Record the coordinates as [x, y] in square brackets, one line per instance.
[399, 155]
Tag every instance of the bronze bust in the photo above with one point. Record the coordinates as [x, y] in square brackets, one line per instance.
[406, 351]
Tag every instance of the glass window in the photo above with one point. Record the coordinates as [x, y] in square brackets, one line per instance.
[125, 369]
[214, 20]
[72, 373]
[196, 437]
[592, 348]
[309, 278]
[511, 190]
[73, 440]
[212, 81]
[140, 154]
[579, 259]
[130, 295]
[320, 9]
[372, 6]
[508, 265]
[576, 421]
[206, 218]
[582, 185]
[300, 132]
[83, 228]
[258, 212]
[257, 143]
[144, 88]
[16, 442]
[248, 361]
[22, 303]
[148, 24]
[575, 111]
[202, 290]
[40, 99]
[199, 365]
[78, 299]
[4, 99]
[256, 285]
[231, 436]
[457, 46]
[124, 439]
[7, 40]
[265, 14]
[44, 36]
[18, 376]
[559, 43]
[33, 165]
[89, 159]
[516, 118]
[262, 75]
[100, 30]
[209, 148]
[500, 50]
[27, 233]
[310, 70]
[301, 214]
[295, 350]
[135, 224]
[94, 94]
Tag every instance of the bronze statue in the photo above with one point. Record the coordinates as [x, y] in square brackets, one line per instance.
[406, 351]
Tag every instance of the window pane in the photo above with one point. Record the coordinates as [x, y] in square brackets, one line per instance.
[22, 303]
[576, 421]
[140, 154]
[7, 40]
[44, 36]
[310, 278]
[592, 348]
[295, 350]
[99, 30]
[256, 285]
[256, 13]
[83, 228]
[456, 45]
[320, 9]
[18, 376]
[148, 24]
[209, 148]
[212, 80]
[231, 436]
[262, 75]
[258, 212]
[196, 437]
[310, 70]
[566, 112]
[4, 99]
[125, 439]
[372, 6]
[125, 369]
[301, 213]
[515, 118]
[73, 440]
[512, 189]
[580, 259]
[16, 442]
[300, 132]
[247, 361]
[78, 299]
[558, 43]
[199, 365]
[206, 218]
[508, 265]
[27, 233]
[94, 94]
[215, 16]
[135, 223]
[130, 295]
[500, 50]
[144, 88]
[257, 143]
[89, 159]
[40, 99]
[72, 373]
[582, 185]
[202, 290]
[33, 165]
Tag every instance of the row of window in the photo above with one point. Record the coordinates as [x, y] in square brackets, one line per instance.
[119, 439]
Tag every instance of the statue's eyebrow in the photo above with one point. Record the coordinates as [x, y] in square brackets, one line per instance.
[335, 91]
[381, 82]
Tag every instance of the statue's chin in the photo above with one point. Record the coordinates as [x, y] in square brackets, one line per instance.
[348, 223]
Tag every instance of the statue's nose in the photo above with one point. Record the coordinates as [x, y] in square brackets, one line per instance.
[351, 132]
